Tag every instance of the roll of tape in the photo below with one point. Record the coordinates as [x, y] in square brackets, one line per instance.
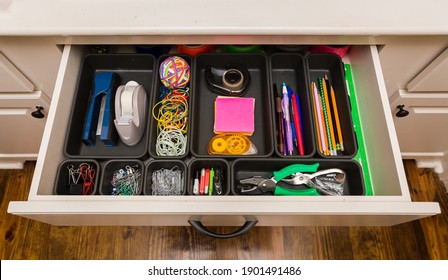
[127, 99]
[219, 145]
[241, 48]
[233, 83]
[339, 50]
[194, 50]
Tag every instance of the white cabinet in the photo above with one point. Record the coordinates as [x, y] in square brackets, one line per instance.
[434, 78]
[421, 124]
[28, 70]
[390, 204]
[21, 131]
[12, 79]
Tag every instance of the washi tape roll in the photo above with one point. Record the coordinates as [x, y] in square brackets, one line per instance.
[339, 50]
[194, 50]
[242, 48]
[155, 50]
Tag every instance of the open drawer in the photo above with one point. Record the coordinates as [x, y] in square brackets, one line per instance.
[390, 203]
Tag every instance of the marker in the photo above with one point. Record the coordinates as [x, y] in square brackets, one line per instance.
[206, 180]
[202, 182]
[210, 184]
[196, 184]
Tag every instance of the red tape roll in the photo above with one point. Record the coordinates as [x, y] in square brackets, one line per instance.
[193, 50]
[341, 50]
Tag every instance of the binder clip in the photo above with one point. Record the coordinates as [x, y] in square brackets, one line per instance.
[105, 85]
[130, 112]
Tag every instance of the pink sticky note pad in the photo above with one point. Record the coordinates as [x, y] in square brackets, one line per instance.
[234, 114]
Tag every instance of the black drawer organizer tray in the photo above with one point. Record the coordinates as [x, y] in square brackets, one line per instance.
[294, 69]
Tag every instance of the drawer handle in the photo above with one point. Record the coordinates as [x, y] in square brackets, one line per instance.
[38, 113]
[401, 111]
[201, 228]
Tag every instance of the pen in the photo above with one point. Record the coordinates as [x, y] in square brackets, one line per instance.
[206, 180]
[286, 117]
[293, 123]
[196, 184]
[298, 126]
[210, 184]
[278, 110]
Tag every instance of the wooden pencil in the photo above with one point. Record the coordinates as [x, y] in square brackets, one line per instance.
[336, 116]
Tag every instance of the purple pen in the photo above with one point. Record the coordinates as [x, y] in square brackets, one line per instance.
[288, 130]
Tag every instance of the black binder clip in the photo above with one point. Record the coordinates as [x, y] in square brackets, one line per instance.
[105, 85]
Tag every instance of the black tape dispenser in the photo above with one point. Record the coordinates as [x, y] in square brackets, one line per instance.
[232, 81]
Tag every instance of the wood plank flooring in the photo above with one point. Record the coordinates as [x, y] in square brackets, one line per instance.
[26, 239]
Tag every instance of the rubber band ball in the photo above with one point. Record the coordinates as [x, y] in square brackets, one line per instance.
[174, 72]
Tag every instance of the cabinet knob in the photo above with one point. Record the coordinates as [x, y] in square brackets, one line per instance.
[38, 113]
[401, 112]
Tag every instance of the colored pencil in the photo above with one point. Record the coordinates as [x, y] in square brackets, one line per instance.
[328, 119]
[319, 143]
[336, 116]
[320, 119]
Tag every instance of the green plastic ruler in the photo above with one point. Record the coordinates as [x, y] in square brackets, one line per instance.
[361, 156]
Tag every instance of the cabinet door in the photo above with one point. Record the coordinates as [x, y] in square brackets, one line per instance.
[21, 131]
[433, 78]
[12, 80]
[424, 130]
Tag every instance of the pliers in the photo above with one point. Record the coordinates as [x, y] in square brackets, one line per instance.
[327, 182]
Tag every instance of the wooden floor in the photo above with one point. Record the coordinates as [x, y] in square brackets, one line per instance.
[26, 239]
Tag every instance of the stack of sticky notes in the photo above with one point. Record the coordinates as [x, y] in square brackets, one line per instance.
[234, 115]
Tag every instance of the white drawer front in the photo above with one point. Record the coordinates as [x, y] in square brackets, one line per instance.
[391, 203]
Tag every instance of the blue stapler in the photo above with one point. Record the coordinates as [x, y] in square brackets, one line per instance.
[105, 85]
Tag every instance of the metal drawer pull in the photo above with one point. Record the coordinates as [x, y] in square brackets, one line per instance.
[201, 228]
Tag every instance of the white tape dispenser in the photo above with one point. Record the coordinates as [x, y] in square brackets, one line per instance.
[130, 112]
